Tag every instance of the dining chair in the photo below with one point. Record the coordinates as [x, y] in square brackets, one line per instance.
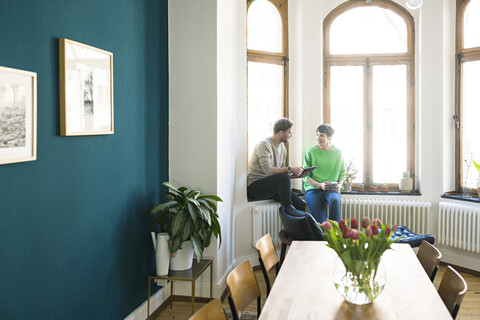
[452, 289]
[429, 257]
[301, 227]
[243, 288]
[211, 311]
[267, 257]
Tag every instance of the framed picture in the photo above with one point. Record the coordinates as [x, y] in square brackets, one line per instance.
[86, 89]
[18, 115]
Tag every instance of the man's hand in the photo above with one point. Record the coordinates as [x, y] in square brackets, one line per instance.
[297, 172]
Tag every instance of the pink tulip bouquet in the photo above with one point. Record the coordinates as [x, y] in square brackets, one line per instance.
[360, 251]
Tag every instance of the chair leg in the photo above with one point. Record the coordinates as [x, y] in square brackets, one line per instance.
[259, 306]
[265, 275]
[233, 308]
[282, 253]
[434, 273]
[455, 311]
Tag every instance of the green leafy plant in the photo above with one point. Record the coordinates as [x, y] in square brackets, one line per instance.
[188, 215]
[350, 171]
[360, 251]
[476, 165]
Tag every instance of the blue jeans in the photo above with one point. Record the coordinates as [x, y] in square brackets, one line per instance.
[316, 201]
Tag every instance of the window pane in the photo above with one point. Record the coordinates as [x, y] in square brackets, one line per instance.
[264, 27]
[389, 100]
[368, 30]
[472, 25]
[470, 117]
[347, 113]
[265, 103]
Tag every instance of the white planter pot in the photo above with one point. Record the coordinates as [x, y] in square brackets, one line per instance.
[162, 253]
[182, 259]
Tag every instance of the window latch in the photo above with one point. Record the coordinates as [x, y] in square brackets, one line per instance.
[456, 120]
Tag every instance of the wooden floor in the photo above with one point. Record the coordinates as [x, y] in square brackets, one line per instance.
[469, 310]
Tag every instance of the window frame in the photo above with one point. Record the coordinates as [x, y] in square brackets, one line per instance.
[368, 60]
[279, 58]
[461, 55]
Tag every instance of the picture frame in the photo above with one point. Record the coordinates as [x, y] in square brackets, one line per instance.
[86, 89]
[18, 115]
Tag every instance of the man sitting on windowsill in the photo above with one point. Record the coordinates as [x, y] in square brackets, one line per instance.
[268, 177]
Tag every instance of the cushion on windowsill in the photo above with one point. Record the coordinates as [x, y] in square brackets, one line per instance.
[413, 239]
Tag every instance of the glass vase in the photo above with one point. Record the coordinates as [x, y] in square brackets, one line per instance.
[360, 282]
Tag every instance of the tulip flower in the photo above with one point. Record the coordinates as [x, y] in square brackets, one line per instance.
[342, 224]
[387, 231]
[326, 226]
[395, 227]
[354, 223]
[374, 229]
[369, 232]
[354, 234]
[365, 222]
[346, 233]
[377, 222]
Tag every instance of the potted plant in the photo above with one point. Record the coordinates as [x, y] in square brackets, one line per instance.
[384, 187]
[187, 215]
[350, 174]
[478, 180]
[361, 187]
[373, 187]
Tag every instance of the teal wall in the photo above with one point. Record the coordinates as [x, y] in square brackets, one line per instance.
[74, 233]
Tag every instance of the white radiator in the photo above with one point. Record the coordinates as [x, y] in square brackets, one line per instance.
[459, 226]
[266, 220]
[412, 214]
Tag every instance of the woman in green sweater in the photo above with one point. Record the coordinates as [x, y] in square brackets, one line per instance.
[330, 168]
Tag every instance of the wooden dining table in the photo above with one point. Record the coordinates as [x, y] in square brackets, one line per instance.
[304, 289]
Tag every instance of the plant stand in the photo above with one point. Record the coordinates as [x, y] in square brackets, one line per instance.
[191, 275]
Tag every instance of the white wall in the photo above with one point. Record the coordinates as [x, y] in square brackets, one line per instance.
[193, 125]
[192, 27]
[231, 110]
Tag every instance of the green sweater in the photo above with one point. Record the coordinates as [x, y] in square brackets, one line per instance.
[330, 166]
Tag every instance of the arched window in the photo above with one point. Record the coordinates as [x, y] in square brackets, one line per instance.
[369, 88]
[267, 67]
[467, 95]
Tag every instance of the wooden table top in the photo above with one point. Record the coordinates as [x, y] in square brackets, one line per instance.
[304, 288]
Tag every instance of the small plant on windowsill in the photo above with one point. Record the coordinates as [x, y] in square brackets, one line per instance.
[373, 187]
[350, 175]
[361, 187]
[384, 187]
[478, 180]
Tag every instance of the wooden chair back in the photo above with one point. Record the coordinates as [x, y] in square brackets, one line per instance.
[429, 257]
[243, 288]
[211, 311]
[266, 251]
[452, 289]
[267, 258]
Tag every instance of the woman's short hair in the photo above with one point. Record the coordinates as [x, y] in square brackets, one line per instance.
[326, 128]
[282, 125]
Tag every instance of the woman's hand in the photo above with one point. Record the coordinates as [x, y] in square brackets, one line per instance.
[326, 185]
